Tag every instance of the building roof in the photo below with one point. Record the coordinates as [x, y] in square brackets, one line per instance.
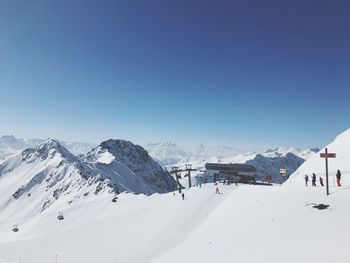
[230, 167]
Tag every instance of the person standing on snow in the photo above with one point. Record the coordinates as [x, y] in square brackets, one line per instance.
[338, 175]
[217, 190]
[183, 196]
[321, 181]
[313, 179]
[306, 179]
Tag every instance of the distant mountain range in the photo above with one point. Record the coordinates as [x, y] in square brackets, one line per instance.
[170, 154]
[266, 162]
[10, 145]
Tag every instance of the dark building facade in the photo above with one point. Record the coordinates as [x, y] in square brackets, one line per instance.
[233, 172]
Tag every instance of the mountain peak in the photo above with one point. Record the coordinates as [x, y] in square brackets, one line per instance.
[114, 143]
[132, 165]
[11, 141]
[8, 137]
[48, 149]
[315, 149]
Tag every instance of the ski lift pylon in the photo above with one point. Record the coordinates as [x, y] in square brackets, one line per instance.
[115, 199]
[60, 216]
[15, 228]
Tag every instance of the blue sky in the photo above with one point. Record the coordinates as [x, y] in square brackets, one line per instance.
[250, 74]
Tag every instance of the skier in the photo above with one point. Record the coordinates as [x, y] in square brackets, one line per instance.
[183, 196]
[306, 179]
[338, 175]
[321, 181]
[217, 190]
[313, 179]
[269, 178]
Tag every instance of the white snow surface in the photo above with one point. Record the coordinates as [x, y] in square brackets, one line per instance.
[340, 146]
[105, 158]
[243, 224]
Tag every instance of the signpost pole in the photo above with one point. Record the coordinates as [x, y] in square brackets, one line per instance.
[327, 155]
[327, 183]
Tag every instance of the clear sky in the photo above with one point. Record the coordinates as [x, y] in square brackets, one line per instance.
[241, 73]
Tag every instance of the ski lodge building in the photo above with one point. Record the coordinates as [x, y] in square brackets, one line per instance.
[233, 172]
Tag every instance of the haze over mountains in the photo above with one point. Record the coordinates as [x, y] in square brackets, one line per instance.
[10, 145]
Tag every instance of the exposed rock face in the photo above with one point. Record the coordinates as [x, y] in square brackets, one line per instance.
[122, 160]
[272, 165]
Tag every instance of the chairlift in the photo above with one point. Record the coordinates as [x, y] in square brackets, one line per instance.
[60, 216]
[115, 199]
[15, 228]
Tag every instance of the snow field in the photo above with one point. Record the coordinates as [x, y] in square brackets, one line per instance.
[135, 229]
[245, 224]
[271, 224]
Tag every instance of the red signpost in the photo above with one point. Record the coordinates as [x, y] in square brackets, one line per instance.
[327, 155]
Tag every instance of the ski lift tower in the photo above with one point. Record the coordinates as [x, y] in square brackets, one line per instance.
[189, 170]
[175, 170]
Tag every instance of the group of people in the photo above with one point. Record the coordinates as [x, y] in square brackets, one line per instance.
[313, 179]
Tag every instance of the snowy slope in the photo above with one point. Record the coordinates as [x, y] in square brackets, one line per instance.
[340, 146]
[245, 224]
[270, 224]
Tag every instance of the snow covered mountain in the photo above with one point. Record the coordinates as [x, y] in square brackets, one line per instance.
[266, 162]
[49, 175]
[130, 167]
[315, 164]
[219, 151]
[172, 154]
[46, 175]
[272, 165]
[166, 153]
[280, 151]
[10, 145]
